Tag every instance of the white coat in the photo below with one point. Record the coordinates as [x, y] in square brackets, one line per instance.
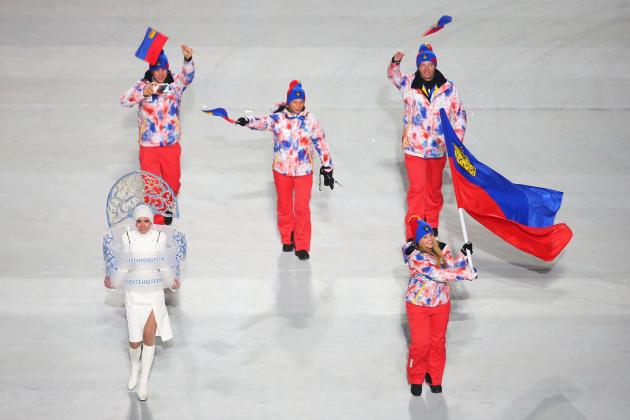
[138, 305]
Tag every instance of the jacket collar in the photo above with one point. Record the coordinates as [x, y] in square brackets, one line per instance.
[290, 115]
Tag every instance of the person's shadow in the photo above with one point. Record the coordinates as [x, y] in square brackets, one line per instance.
[428, 406]
[138, 410]
[294, 301]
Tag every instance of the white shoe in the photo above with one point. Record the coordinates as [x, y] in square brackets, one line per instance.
[134, 358]
[148, 352]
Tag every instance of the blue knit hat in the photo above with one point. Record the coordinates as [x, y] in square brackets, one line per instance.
[295, 92]
[423, 230]
[161, 63]
[425, 53]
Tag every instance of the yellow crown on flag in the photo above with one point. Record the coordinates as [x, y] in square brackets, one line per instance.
[464, 162]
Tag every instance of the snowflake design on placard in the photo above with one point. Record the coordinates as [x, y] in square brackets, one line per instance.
[108, 255]
[135, 188]
[180, 242]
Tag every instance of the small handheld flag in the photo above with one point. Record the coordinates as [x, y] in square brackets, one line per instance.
[151, 46]
[219, 112]
[438, 26]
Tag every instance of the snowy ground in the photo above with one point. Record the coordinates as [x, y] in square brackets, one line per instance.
[259, 334]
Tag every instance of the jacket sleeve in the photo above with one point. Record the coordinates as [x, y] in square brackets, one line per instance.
[407, 250]
[318, 138]
[452, 270]
[133, 95]
[458, 115]
[264, 123]
[395, 76]
[185, 76]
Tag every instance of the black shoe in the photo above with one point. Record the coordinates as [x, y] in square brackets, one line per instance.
[416, 389]
[289, 247]
[302, 254]
[168, 219]
[436, 389]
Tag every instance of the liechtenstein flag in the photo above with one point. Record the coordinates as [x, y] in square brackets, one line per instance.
[152, 44]
[438, 26]
[522, 215]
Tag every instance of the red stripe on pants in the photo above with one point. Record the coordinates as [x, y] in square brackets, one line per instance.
[427, 350]
[165, 162]
[424, 196]
[294, 212]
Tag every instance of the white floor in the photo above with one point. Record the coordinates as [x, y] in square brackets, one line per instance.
[258, 334]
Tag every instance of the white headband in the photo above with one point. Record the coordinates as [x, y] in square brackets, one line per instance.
[143, 211]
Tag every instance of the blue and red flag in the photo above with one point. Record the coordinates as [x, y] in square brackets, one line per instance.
[438, 26]
[151, 46]
[219, 112]
[521, 215]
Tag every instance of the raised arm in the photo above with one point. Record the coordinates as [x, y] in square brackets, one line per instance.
[393, 71]
[187, 74]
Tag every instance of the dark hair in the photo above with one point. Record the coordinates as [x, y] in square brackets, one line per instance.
[148, 76]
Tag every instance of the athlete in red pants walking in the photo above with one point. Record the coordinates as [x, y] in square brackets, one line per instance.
[428, 303]
[424, 195]
[296, 133]
[424, 93]
[158, 96]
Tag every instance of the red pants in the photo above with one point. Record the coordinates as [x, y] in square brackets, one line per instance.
[294, 212]
[424, 196]
[163, 161]
[427, 351]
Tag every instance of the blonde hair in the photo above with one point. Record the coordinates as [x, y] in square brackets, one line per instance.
[435, 251]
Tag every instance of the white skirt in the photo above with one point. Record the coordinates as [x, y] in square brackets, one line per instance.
[138, 306]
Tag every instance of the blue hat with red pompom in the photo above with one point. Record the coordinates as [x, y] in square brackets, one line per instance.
[161, 63]
[295, 92]
[422, 228]
[425, 53]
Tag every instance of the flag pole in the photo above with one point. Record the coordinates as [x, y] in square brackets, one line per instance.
[461, 220]
[460, 210]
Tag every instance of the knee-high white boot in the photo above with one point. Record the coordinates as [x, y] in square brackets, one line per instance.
[146, 361]
[134, 370]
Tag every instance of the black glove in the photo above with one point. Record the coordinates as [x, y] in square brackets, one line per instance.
[409, 247]
[467, 247]
[327, 173]
[242, 121]
[395, 61]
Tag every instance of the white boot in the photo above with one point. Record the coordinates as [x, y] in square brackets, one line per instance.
[146, 361]
[134, 358]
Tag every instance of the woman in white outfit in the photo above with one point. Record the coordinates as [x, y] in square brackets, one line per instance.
[146, 311]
